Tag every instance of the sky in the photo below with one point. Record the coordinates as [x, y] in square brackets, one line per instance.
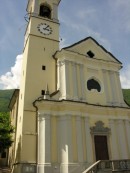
[107, 21]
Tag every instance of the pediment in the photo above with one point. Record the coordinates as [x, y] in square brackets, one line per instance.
[92, 49]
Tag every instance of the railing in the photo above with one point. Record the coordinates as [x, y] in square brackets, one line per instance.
[115, 165]
[109, 166]
[93, 168]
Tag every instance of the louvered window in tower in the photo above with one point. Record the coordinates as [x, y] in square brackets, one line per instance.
[45, 11]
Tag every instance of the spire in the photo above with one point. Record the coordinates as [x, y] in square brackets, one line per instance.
[47, 94]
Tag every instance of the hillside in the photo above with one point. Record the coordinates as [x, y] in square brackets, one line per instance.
[5, 96]
[126, 93]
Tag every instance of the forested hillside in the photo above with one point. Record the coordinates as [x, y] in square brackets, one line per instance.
[5, 96]
[126, 93]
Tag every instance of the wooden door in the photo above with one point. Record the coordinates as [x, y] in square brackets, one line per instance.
[101, 147]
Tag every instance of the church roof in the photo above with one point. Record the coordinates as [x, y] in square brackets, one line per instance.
[71, 47]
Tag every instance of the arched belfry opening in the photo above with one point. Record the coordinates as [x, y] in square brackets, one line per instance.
[45, 11]
[93, 84]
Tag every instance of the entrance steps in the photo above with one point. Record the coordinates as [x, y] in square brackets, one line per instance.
[5, 170]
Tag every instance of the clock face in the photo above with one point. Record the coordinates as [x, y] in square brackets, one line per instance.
[44, 28]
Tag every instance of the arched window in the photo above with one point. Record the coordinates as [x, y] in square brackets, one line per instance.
[45, 11]
[93, 84]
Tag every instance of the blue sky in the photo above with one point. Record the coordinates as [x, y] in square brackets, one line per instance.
[107, 21]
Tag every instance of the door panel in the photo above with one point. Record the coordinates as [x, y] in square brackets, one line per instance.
[101, 147]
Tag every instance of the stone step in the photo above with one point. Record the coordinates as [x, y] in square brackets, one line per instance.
[5, 170]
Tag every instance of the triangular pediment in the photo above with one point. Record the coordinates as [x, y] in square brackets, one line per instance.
[92, 49]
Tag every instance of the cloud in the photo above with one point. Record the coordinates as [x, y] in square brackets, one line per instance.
[87, 30]
[11, 80]
[125, 78]
[89, 13]
[122, 10]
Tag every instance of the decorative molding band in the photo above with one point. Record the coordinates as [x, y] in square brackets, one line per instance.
[99, 128]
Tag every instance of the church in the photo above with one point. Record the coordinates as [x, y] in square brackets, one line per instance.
[69, 112]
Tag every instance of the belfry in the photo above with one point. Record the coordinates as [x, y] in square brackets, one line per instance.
[69, 112]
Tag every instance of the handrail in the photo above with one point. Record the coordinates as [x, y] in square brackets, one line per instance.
[91, 167]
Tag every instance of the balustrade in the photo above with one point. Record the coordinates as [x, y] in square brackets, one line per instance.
[109, 166]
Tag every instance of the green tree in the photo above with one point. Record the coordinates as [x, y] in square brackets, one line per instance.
[6, 131]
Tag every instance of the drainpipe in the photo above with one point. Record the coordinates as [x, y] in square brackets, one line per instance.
[34, 105]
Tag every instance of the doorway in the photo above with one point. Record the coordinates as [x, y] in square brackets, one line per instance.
[101, 147]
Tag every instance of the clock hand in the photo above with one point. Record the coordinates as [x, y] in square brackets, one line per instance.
[46, 28]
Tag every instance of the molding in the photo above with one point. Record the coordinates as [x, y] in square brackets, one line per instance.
[99, 128]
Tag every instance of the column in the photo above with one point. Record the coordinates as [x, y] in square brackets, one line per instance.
[79, 139]
[44, 139]
[113, 140]
[62, 80]
[88, 142]
[65, 142]
[44, 142]
[127, 127]
[58, 75]
[122, 140]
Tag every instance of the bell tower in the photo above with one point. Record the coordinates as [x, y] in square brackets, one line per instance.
[38, 73]
[41, 43]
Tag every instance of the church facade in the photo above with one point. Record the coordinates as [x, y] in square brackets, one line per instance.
[70, 111]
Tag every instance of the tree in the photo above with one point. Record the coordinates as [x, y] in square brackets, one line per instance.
[6, 131]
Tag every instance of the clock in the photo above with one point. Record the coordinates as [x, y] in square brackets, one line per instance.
[44, 28]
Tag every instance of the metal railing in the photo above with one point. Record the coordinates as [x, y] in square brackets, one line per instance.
[115, 165]
[109, 166]
[93, 168]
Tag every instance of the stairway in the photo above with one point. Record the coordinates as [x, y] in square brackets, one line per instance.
[109, 166]
[5, 170]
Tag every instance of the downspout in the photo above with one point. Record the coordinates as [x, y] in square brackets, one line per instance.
[34, 105]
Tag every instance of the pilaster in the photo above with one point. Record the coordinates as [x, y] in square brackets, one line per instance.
[75, 88]
[122, 140]
[82, 82]
[114, 144]
[127, 127]
[88, 142]
[106, 85]
[79, 139]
